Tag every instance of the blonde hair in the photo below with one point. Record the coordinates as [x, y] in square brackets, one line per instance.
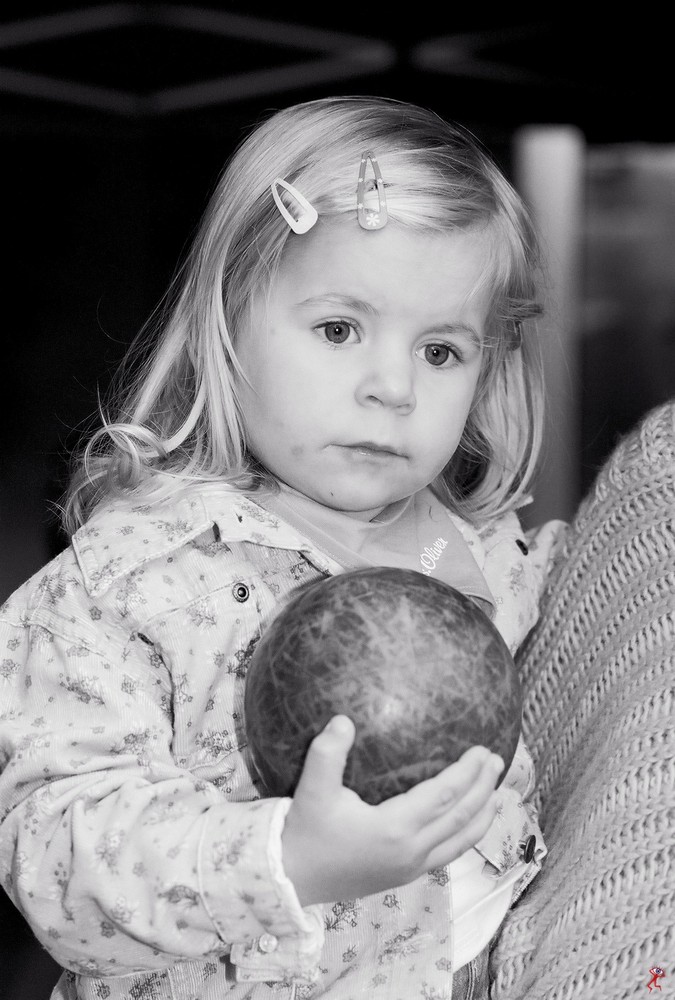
[179, 420]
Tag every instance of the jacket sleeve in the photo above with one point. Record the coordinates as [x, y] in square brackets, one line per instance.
[120, 860]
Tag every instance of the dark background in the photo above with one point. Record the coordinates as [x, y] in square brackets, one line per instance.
[116, 120]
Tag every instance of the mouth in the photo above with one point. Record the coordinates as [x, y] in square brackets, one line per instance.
[372, 448]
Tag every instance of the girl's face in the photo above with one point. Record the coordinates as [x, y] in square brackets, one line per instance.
[363, 361]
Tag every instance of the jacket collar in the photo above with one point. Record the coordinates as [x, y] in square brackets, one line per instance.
[123, 536]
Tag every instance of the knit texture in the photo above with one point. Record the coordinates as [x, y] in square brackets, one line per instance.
[598, 674]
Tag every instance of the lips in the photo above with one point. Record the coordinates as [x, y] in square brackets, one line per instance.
[372, 447]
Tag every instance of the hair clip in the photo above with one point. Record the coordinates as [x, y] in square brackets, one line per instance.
[305, 218]
[370, 217]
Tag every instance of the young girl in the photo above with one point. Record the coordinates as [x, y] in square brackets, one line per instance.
[347, 375]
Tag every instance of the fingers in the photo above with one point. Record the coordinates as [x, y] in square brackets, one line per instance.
[466, 802]
[454, 803]
[459, 841]
[326, 759]
[456, 808]
[471, 778]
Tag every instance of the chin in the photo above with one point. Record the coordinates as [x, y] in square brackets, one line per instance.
[362, 504]
[353, 497]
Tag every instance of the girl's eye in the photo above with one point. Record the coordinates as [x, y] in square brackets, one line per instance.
[437, 354]
[337, 331]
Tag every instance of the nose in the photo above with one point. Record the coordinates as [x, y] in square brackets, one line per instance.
[388, 381]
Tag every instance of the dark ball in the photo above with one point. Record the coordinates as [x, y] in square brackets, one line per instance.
[418, 666]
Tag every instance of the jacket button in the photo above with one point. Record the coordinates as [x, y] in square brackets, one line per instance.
[267, 943]
[526, 848]
[240, 592]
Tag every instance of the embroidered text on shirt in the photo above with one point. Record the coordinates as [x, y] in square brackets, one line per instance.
[431, 554]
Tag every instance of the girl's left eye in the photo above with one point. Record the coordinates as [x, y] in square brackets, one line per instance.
[437, 354]
[337, 331]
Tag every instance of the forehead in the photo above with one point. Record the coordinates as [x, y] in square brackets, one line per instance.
[392, 266]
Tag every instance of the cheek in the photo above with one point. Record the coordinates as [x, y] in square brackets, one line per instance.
[446, 419]
[454, 403]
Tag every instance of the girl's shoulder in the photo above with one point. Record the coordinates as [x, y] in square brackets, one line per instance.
[540, 543]
[136, 557]
[126, 534]
[125, 538]
[516, 563]
[119, 537]
[116, 542]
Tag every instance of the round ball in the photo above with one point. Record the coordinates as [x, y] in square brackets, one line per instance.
[418, 666]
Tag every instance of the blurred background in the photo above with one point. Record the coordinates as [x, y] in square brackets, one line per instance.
[116, 120]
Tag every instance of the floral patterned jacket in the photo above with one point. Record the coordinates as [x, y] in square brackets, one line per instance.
[132, 836]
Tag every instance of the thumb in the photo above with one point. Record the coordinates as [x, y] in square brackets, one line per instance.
[326, 758]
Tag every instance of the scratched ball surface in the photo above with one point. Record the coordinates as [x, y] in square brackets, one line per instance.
[418, 667]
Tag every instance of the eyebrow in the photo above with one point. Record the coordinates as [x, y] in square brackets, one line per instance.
[344, 300]
[458, 329]
[360, 305]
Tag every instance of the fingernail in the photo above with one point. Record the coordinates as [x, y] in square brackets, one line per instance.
[497, 763]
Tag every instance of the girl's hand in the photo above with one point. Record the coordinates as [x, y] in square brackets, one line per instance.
[336, 846]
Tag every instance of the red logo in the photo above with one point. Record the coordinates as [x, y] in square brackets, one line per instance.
[656, 973]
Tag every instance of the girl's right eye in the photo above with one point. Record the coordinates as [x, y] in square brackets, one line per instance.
[337, 331]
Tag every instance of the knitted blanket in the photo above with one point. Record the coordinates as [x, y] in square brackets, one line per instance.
[598, 675]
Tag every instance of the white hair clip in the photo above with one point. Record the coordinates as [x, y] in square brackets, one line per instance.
[305, 215]
[370, 216]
